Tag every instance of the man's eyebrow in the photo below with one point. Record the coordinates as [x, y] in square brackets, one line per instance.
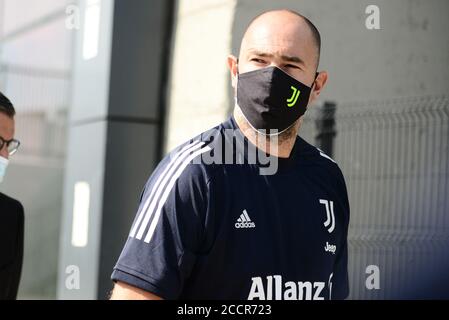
[283, 57]
[292, 59]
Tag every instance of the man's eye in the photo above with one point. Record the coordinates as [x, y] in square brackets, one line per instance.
[257, 60]
[292, 66]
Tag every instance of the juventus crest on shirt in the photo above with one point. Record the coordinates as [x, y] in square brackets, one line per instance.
[208, 230]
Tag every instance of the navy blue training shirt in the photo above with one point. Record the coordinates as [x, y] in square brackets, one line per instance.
[211, 230]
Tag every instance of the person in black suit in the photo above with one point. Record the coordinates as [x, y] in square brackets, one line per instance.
[11, 211]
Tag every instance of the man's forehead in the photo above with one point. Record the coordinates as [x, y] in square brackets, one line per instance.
[290, 39]
[275, 36]
[288, 51]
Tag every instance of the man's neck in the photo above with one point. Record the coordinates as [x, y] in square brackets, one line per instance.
[278, 145]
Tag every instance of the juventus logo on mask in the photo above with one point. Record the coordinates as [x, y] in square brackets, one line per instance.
[271, 99]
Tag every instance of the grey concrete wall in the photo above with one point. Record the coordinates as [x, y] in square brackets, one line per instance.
[198, 88]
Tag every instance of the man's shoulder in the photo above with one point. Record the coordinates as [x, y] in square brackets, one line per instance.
[189, 160]
[10, 207]
[316, 157]
[8, 201]
[314, 154]
[202, 141]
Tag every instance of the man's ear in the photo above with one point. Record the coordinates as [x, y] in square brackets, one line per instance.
[318, 85]
[233, 68]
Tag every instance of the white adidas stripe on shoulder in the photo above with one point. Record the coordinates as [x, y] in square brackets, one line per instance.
[168, 189]
[325, 155]
[160, 184]
[155, 187]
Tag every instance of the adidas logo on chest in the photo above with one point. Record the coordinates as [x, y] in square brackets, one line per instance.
[244, 221]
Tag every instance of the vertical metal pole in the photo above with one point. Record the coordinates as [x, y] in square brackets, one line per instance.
[325, 125]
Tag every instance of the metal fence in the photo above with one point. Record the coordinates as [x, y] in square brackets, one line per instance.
[395, 158]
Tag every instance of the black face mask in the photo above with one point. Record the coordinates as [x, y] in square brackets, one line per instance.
[271, 99]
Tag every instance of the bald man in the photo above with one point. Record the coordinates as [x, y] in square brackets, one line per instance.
[248, 209]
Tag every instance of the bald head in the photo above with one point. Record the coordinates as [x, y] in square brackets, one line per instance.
[289, 22]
